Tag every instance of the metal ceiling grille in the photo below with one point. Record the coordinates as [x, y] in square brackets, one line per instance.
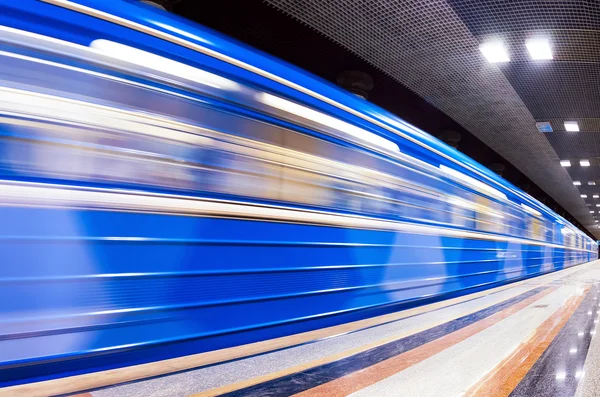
[491, 17]
[575, 146]
[432, 47]
[553, 89]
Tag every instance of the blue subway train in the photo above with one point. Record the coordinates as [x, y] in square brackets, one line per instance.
[167, 191]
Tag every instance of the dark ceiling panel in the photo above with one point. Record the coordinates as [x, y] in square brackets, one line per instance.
[575, 145]
[553, 89]
[494, 16]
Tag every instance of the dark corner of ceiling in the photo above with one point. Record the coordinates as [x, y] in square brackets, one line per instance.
[262, 26]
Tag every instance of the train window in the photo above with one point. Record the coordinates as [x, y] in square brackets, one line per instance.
[535, 228]
[324, 120]
[472, 182]
[121, 52]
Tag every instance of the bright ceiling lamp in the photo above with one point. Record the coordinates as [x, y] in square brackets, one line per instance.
[565, 163]
[591, 212]
[539, 49]
[577, 183]
[571, 126]
[494, 52]
[595, 196]
[584, 163]
[584, 196]
[592, 183]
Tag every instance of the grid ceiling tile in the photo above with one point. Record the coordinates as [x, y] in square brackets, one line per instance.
[575, 145]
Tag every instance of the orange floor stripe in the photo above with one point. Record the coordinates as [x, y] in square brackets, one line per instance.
[508, 374]
[359, 380]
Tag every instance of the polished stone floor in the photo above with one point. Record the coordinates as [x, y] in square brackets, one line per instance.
[532, 338]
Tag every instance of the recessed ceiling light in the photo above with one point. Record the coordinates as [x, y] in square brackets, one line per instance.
[591, 212]
[591, 183]
[595, 196]
[597, 205]
[584, 163]
[494, 52]
[565, 163]
[539, 48]
[576, 183]
[584, 196]
[571, 126]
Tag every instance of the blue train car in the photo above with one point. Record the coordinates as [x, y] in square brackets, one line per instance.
[167, 191]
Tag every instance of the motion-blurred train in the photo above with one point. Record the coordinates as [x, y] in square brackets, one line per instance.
[168, 191]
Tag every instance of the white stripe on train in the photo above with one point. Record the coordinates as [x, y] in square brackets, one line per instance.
[53, 195]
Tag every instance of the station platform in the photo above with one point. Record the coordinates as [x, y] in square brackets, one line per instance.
[530, 338]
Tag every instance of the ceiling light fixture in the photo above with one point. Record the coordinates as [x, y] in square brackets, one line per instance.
[494, 52]
[591, 183]
[584, 163]
[571, 126]
[565, 163]
[577, 183]
[584, 196]
[539, 49]
[595, 196]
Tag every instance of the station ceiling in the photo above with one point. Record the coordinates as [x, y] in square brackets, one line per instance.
[433, 48]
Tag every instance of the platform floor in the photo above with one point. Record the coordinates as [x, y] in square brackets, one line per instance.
[532, 338]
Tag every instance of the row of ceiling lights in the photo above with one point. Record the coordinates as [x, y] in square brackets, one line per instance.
[539, 49]
[596, 196]
[593, 212]
[567, 163]
[583, 163]
[589, 205]
[495, 51]
[545, 126]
